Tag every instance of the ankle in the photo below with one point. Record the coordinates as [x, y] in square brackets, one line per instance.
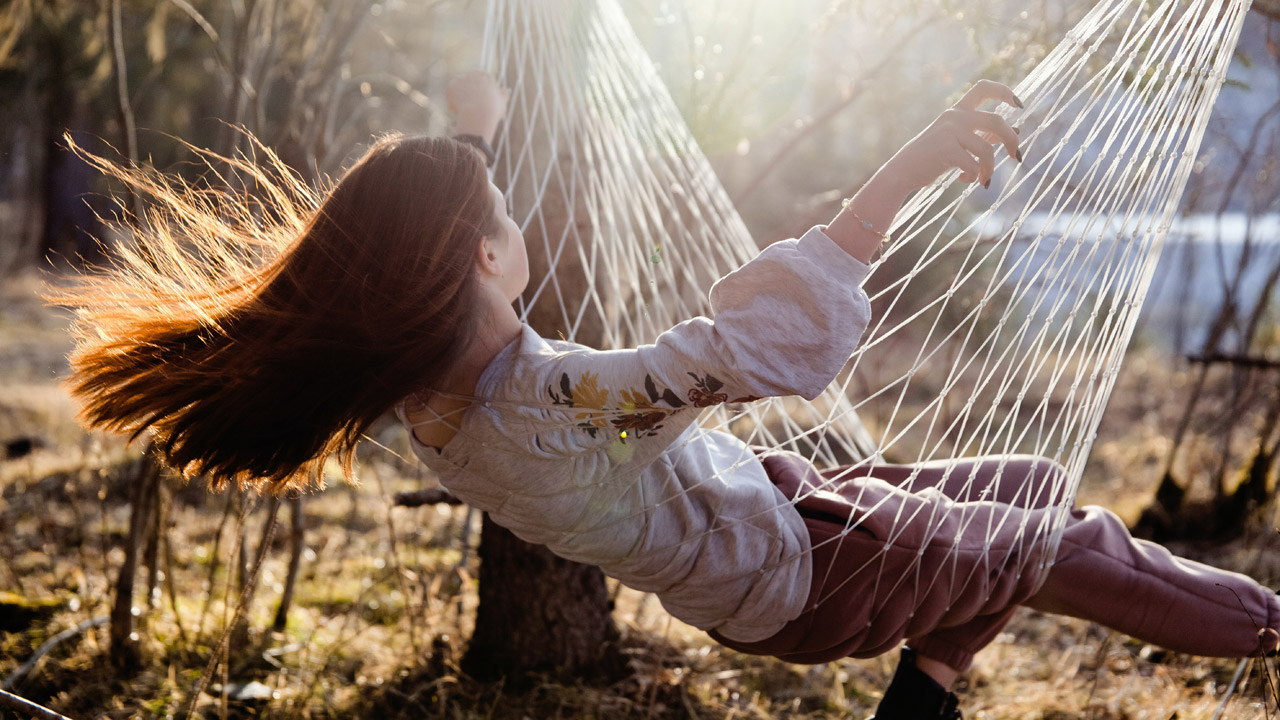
[1269, 641]
[915, 694]
[942, 673]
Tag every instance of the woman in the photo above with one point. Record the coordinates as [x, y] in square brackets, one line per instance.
[396, 293]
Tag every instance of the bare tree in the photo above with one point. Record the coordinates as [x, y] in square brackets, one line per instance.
[1235, 349]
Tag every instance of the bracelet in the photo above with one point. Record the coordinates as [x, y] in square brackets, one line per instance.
[478, 143]
[865, 225]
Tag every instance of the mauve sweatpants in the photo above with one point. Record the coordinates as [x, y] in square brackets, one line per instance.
[946, 575]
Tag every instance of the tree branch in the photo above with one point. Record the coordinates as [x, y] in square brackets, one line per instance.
[126, 107]
[223, 61]
[430, 496]
[827, 115]
[1249, 361]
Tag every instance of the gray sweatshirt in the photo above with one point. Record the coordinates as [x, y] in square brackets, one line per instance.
[599, 456]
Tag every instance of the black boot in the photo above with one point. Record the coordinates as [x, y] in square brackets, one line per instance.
[913, 695]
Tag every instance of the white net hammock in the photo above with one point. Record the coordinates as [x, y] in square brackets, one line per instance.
[998, 326]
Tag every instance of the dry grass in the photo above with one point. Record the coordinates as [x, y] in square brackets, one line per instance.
[378, 634]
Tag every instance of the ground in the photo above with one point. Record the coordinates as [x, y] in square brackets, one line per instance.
[386, 596]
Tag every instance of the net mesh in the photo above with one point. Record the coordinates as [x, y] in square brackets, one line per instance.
[998, 326]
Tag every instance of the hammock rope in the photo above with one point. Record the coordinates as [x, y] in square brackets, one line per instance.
[1005, 320]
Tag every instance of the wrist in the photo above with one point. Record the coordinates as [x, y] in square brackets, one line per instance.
[481, 124]
[893, 179]
[480, 144]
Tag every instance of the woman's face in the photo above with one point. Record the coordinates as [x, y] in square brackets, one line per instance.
[507, 243]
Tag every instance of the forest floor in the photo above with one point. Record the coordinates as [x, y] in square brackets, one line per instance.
[385, 597]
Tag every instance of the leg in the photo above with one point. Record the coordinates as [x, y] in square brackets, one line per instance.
[1103, 574]
[1027, 481]
[941, 654]
[889, 564]
[942, 673]
[921, 685]
[1024, 481]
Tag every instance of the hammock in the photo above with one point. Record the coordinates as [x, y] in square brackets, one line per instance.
[998, 326]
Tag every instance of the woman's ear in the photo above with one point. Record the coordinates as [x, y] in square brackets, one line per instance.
[487, 258]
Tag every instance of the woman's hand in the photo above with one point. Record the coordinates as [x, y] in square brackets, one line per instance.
[961, 137]
[478, 103]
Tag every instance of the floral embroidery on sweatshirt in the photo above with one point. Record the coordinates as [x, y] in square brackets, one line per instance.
[636, 413]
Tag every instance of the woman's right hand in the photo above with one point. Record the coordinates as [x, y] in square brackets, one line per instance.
[961, 137]
[478, 102]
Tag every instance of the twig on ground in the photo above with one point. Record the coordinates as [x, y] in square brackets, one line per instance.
[1231, 688]
[53, 642]
[24, 705]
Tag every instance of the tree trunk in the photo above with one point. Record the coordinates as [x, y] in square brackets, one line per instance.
[539, 613]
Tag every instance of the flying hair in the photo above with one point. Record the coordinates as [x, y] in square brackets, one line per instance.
[256, 327]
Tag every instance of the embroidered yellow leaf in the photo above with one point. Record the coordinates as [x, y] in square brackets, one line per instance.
[587, 395]
[636, 401]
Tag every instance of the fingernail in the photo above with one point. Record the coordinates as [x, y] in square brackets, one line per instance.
[1018, 102]
[987, 184]
[1019, 154]
[1017, 129]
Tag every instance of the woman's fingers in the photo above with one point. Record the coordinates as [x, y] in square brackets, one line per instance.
[985, 127]
[962, 137]
[973, 132]
[994, 124]
[986, 157]
[989, 123]
[959, 157]
[984, 90]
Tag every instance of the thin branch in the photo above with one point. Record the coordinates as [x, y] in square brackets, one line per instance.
[126, 107]
[213, 564]
[854, 92]
[124, 645]
[1231, 689]
[1245, 156]
[223, 60]
[246, 596]
[24, 705]
[395, 561]
[297, 538]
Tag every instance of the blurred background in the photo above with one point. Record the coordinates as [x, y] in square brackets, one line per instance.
[796, 103]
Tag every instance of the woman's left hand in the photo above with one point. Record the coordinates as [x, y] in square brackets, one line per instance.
[961, 137]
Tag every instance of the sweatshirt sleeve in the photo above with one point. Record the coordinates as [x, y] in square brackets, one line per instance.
[784, 323]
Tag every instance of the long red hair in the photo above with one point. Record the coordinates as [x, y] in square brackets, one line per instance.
[258, 334]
